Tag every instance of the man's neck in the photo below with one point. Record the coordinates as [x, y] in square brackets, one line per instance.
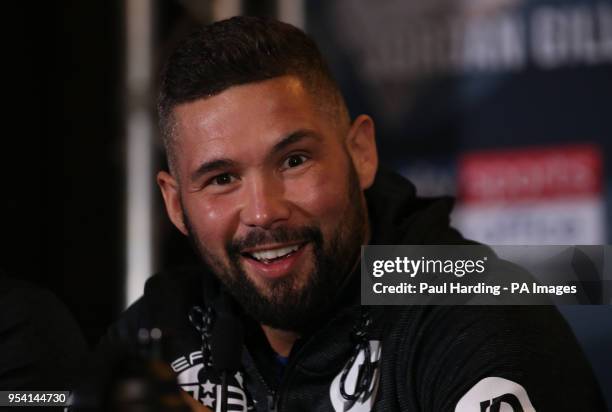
[281, 341]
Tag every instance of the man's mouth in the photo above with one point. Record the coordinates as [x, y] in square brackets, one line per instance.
[272, 254]
[274, 261]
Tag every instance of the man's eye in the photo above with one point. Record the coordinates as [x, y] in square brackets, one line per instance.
[294, 161]
[222, 179]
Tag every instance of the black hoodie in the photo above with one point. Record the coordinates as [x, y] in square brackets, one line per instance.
[421, 358]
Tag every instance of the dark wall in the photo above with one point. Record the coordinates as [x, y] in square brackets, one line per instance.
[90, 67]
[62, 227]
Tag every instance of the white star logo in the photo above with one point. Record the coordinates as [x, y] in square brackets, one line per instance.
[208, 386]
[208, 401]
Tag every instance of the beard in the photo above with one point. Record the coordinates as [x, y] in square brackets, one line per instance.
[297, 301]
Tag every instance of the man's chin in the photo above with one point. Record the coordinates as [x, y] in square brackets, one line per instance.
[282, 291]
[289, 303]
[289, 313]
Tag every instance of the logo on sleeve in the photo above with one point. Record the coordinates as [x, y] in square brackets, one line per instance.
[205, 387]
[495, 394]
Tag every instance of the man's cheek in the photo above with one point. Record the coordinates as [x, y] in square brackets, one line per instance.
[322, 194]
[214, 220]
[213, 210]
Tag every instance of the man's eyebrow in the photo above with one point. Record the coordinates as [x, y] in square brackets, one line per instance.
[211, 166]
[294, 137]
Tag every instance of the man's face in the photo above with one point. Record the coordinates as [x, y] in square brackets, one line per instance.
[270, 190]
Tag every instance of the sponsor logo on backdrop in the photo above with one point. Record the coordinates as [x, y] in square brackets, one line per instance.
[550, 195]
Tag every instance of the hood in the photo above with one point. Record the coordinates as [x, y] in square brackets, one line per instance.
[398, 216]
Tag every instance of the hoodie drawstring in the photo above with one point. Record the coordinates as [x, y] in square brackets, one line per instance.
[202, 320]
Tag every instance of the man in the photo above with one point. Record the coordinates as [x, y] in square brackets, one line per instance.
[277, 188]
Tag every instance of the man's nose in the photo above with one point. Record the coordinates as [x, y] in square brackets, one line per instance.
[264, 204]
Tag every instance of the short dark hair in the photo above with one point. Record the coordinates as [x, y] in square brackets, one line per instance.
[238, 51]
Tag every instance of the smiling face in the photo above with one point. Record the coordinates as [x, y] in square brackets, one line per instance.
[269, 186]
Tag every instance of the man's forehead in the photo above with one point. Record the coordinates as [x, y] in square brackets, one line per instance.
[237, 106]
[245, 117]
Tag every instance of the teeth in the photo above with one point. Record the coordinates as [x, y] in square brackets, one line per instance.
[274, 253]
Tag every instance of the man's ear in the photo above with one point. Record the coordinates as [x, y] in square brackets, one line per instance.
[361, 145]
[172, 199]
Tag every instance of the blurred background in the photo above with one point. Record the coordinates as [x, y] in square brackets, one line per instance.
[505, 104]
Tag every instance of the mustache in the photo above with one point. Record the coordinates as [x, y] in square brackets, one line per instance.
[258, 237]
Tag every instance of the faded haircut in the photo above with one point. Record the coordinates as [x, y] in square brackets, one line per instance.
[238, 51]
